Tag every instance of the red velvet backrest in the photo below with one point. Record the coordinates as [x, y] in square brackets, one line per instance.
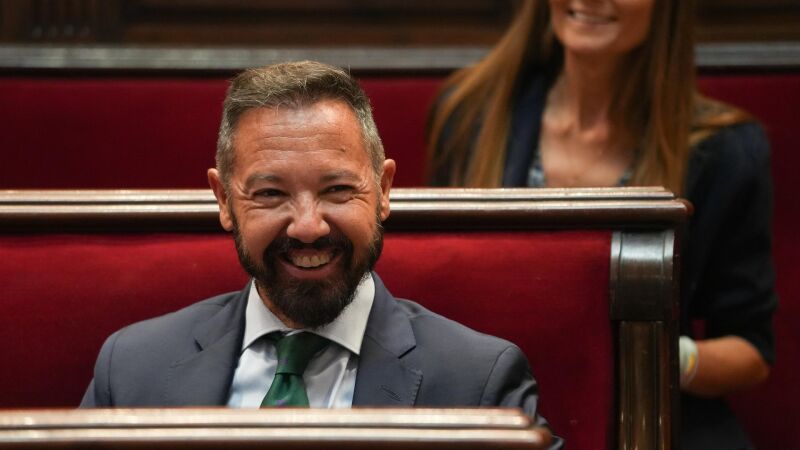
[536, 289]
[64, 293]
[161, 132]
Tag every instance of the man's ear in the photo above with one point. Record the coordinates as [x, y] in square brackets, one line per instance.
[215, 181]
[389, 167]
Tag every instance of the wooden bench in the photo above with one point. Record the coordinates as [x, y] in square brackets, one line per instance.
[584, 281]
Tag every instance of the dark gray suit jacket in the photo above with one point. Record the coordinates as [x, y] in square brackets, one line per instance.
[409, 357]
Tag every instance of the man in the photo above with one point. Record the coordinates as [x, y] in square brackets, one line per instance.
[303, 185]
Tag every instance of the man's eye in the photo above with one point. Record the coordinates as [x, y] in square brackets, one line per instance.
[339, 188]
[269, 193]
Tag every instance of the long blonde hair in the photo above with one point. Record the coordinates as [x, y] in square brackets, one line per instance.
[656, 103]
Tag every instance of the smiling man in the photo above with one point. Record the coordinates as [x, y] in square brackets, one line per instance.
[303, 185]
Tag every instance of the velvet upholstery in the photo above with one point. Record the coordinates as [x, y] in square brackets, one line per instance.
[64, 293]
[123, 132]
[159, 132]
[79, 132]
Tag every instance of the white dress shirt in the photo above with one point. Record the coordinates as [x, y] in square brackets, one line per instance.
[330, 377]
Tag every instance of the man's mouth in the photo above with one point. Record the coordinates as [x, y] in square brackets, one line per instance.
[589, 17]
[309, 259]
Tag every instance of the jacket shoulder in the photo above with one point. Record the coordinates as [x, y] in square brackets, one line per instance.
[426, 322]
[464, 367]
[176, 322]
[161, 339]
[133, 361]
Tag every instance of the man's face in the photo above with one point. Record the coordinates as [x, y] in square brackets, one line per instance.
[304, 207]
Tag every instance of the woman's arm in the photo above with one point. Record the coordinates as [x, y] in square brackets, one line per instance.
[725, 365]
[734, 292]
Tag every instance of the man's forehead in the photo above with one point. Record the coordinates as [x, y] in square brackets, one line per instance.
[328, 125]
[323, 177]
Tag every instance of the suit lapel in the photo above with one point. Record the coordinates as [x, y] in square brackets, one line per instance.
[384, 377]
[204, 378]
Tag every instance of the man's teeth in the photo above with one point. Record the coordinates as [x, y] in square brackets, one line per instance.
[308, 262]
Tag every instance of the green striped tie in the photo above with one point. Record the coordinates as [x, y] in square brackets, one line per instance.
[294, 353]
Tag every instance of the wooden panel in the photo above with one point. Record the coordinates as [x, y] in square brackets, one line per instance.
[261, 22]
[73, 21]
[333, 22]
[748, 20]
[317, 22]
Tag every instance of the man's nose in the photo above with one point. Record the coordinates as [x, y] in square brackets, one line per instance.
[307, 223]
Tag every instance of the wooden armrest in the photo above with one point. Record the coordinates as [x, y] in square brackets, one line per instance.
[201, 428]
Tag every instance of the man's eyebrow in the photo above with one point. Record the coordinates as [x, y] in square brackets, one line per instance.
[340, 175]
[256, 177]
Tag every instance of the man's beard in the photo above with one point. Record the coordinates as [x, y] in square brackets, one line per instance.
[310, 303]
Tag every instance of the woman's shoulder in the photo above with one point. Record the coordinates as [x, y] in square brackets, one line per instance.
[743, 142]
[733, 161]
[732, 152]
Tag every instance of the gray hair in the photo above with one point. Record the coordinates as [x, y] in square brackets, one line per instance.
[293, 85]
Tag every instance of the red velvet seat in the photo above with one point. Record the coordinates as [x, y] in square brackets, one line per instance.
[525, 287]
[64, 293]
[544, 285]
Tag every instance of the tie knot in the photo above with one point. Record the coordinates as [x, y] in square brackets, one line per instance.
[296, 350]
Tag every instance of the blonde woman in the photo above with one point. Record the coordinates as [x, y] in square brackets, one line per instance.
[602, 93]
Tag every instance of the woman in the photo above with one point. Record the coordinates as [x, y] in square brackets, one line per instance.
[602, 93]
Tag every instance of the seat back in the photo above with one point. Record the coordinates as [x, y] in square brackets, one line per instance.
[548, 274]
[79, 133]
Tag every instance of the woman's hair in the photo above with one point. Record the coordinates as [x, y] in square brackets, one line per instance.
[655, 101]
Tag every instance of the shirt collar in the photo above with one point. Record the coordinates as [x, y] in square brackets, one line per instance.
[346, 330]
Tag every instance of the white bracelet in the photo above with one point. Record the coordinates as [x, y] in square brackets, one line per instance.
[687, 354]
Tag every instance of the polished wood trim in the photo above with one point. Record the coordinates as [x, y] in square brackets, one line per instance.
[15, 57]
[748, 55]
[490, 428]
[644, 304]
[456, 418]
[174, 196]
[412, 208]
[647, 416]
[642, 275]
[233, 59]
